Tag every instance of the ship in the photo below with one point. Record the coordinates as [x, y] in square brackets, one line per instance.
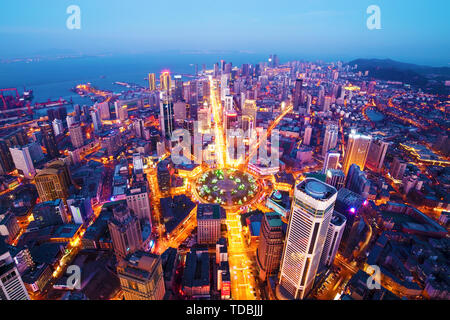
[50, 104]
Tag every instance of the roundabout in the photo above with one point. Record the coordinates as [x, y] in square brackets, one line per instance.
[227, 187]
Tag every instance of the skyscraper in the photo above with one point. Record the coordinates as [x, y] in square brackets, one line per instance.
[165, 81]
[357, 150]
[23, 161]
[138, 198]
[209, 220]
[141, 277]
[167, 120]
[53, 182]
[151, 81]
[298, 94]
[331, 161]
[307, 136]
[11, 284]
[311, 212]
[330, 138]
[48, 138]
[270, 249]
[125, 231]
[96, 121]
[377, 153]
[76, 135]
[333, 240]
[335, 178]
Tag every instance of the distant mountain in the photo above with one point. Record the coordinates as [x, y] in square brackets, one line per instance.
[386, 69]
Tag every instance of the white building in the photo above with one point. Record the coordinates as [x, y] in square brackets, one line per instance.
[310, 216]
[334, 236]
[23, 162]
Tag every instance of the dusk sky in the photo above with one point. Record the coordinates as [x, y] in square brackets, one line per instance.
[412, 30]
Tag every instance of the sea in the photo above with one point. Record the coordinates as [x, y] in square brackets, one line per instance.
[51, 79]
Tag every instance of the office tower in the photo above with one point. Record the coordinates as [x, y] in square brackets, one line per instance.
[48, 138]
[125, 231]
[333, 239]
[23, 162]
[121, 109]
[58, 127]
[80, 208]
[398, 167]
[357, 181]
[228, 102]
[331, 161]
[11, 284]
[250, 109]
[216, 69]
[310, 216]
[70, 120]
[138, 199]
[76, 135]
[350, 205]
[298, 94]
[377, 153]
[166, 120]
[105, 112]
[208, 223]
[141, 276]
[178, 91]
[335, 178]
[138, 163]
[196, 277]
[151, 81]
[270, 249]
[307, 136]
[193, 93]
[308, 104]
[96, 120]
[165, 81]
[53, 182]
[357, 150]
[326, 104]
[179, 111]
[6, 161]
[330, 138]
[35, 151]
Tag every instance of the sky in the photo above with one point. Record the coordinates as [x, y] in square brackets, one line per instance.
[414, 31]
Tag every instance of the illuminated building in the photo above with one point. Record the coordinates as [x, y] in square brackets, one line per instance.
[49, 213]
[167, 120]
[357, 150]
[58, 127]
[298, 94]
[196, 276]
[48, 139]
[141, 277]
[377, 153]
[208, 223]
[138, 199]
[23, 162]
[333, 240]
[179, 111]
[330, 139]
[165, 81]
[76, 135]
[11, 284]
[125, 231]
[310, 216]
[357, 181]
[270, 249]
[326, 104]
[307, 136]
[80, 208]
[164, 176]
[105, 112]
[9, 226]
[398, 167]
[151, 81]
[96, 121]
[335, 178]
[331, 161]
[121, 109]
[53, 182]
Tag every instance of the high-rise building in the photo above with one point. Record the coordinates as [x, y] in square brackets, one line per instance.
[208, 223]
[330, 138]
[357, 181]
[335, 178]
[298, 94]
[270, 249]
[307, 136]
[310, 216]
[165, 81]
[357, 150]
[96, 120]
[333, 240]
[23, 161]
[58, 127]
[151, 81]
[125, 231]
[331, 160]
[53, 182]
[11, 284]
[76, 135]
[398, 167]
[167, 120]
[80, 208]
[377, 153]
[121, 109]
[141, 276]
[48, 139]
[138, 198]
